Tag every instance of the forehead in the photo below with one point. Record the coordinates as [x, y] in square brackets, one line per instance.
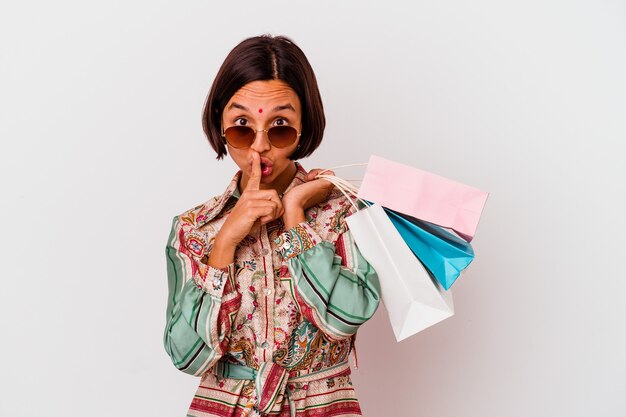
[265, 93]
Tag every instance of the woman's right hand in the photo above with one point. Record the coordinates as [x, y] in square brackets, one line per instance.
[254, 206]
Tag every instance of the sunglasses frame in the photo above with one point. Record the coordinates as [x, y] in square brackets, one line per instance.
[256, 131]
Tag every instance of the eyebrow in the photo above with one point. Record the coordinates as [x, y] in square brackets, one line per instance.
[275, 109]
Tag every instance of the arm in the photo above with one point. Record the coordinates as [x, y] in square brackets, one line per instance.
[336, 288]
[201, 306]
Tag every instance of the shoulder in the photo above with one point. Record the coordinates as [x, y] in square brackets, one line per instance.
[197, 216]
[186, 226]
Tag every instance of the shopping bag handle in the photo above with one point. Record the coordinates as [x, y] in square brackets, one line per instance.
[345, 186]
[344, 166]
[348, 189]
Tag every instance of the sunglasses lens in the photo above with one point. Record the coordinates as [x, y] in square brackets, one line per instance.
[239, 136]
[243, 136]
[282, 136]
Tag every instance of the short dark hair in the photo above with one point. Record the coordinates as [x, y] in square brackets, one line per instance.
[266, 57]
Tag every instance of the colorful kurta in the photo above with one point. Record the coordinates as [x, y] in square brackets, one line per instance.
[269, 334]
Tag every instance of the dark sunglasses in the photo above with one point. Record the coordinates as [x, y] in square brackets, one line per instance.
[243, 136]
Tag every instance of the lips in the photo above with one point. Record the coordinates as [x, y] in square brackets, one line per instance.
[266, 167]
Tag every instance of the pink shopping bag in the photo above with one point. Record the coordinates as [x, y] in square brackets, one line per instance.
[424, 195]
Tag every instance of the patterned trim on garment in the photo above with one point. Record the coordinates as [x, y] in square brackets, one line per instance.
[196, 243]
[327, 392]
[270, 383]
[215, 278]
[296, 240]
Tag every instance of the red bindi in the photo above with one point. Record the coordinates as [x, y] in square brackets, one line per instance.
[260, 110]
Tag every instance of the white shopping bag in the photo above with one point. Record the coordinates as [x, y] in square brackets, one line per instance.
[414, 300]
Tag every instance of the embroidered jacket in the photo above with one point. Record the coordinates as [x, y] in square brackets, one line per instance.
[292, 298]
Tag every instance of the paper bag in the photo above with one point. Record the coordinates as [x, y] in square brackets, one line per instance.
[444, 254]
[413, 299]
[423, 195]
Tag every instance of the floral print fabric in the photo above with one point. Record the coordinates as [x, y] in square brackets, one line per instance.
[293, 298]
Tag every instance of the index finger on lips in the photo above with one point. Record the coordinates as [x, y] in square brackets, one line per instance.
[255, 177]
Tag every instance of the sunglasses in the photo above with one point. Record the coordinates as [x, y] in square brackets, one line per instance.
[243, 136]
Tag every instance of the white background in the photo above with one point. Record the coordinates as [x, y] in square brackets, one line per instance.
[100, 111]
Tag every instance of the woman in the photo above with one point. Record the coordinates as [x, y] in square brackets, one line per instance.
[266, 286]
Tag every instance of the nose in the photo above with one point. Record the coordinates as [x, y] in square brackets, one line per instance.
[261, 142]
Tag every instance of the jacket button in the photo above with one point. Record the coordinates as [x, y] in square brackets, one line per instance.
[265, 251]
[265, 345]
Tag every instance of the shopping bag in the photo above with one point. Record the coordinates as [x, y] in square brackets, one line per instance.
[413, 298]
[443, 253]
[423, 195]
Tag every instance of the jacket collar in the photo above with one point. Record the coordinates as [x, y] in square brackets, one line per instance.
[213, 207]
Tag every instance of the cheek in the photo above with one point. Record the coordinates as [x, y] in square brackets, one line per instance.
[292, 149]
[284, 155]
[238, 157]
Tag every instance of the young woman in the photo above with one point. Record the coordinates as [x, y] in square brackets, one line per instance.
[266, 286]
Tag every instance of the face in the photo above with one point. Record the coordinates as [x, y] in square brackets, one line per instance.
[261, 105]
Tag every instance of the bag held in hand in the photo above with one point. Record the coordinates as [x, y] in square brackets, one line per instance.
[413, 299]
[423, 195]
[443, 253]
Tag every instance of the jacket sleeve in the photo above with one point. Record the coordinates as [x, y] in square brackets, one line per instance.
[201, 306]
[336, 288]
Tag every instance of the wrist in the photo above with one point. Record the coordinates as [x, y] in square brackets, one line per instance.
[293, 215]
[224, 243]
[222, 253]
[291, 203]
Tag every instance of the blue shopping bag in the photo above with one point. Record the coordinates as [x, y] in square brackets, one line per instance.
[444, 254]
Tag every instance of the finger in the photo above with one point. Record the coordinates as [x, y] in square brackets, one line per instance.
[266, 219]
[315, 172]
[255, 177]
[274, 198]
[269, 194]
[265, 214]
[260, 208]
[312, 174]
[266, 195]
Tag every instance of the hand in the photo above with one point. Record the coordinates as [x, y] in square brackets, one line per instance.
[312, 192]
[254, 207]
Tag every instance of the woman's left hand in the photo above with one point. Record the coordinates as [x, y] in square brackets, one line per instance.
[312, 192]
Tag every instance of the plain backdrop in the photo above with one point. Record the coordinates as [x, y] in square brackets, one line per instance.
[100, 126]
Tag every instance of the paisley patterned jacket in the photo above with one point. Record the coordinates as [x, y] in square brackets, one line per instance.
[291, 303]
